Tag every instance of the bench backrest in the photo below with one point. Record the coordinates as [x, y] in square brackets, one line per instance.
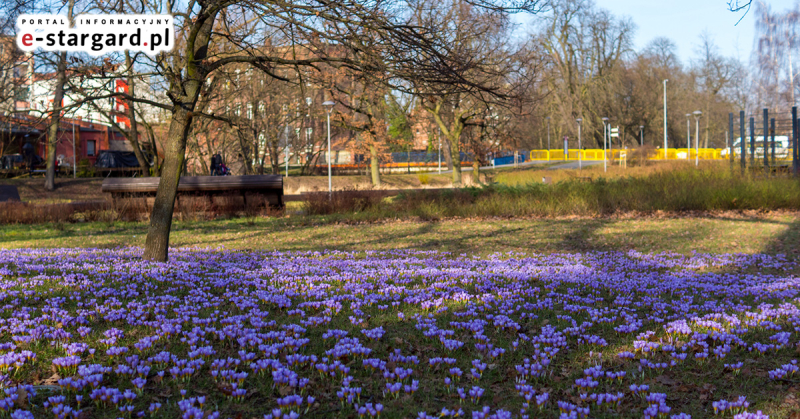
[197, 183]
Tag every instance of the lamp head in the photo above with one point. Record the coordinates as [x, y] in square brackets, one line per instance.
[329, 104]
[579, 120]
[688, 115]
[641, 126]
[697, 113]
[547, 118]
[604, 119]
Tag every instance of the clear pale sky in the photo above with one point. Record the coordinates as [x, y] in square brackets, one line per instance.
[684, 20]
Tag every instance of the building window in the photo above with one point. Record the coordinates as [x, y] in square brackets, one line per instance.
[90, 145]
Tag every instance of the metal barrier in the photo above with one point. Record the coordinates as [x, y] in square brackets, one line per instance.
[614, 154]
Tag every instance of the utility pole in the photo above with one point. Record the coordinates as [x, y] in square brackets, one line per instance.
[605, 140]
[697, 115]
[688, 136]
[74, 156]
[580, 157]
[440, 151]
[665, 119]
[548, 138]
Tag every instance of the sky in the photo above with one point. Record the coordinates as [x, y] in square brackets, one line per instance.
[684, 21]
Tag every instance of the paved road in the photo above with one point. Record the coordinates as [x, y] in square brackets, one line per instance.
[574, 165]
[570, 165]
[526, 164]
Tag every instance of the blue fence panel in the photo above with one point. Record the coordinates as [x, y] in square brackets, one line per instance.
[521, 158]
[423, 157]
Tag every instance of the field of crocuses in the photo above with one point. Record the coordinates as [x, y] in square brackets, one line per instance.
[100, 333]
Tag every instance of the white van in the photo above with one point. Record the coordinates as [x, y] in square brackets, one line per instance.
[783, 146]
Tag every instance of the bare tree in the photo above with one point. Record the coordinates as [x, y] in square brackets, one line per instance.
[736, 6]
[585, 47]
[478, 40]
[714, 73]
[241, 27]
[55, 115]
[777, 40]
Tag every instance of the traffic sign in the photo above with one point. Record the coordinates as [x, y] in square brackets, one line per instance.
[614, 132]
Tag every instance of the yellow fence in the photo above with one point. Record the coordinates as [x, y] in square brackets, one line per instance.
[658, 154]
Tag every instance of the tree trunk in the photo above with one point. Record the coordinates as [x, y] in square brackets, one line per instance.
[476, 171]
[156, 159]
[186, 91]
[55, 119]
[133, 135]
[446, 151]
[273, 158]
[374, 166]
[455, 155]
[157, 244]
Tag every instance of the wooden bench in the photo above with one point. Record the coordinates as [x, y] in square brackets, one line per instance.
[268, 186]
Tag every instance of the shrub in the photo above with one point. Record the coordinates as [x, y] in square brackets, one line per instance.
[84, 168]
[640, 156]
[424, 179]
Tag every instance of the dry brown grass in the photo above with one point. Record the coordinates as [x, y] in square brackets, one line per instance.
[26, 213]
[521, 177]
[187, 208]
[350, 200]
[641, 156]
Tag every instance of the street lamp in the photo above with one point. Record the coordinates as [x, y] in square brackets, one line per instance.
[641, 134]
[285, 109]
[328, 104]
[548, 138]
[697, 137]
[688, 136]
[605, 132]
[580, 159]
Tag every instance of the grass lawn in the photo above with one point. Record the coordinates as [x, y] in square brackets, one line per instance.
[402, 333]
[729, 232]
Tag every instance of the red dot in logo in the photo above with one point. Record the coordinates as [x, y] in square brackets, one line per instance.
[145, 44]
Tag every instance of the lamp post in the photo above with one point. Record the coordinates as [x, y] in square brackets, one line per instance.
[697, 115]
[688, 137]
[605, 140]
[665, 119]
[286, 148]
[548, 138]
[440, 151]
[74, 161]
[328, 108]
[297, 135]
[580, 158]
[641, 134]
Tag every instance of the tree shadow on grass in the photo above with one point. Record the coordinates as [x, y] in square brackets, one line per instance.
[787, 243]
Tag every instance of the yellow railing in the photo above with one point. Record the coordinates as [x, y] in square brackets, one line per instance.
[658, 154]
